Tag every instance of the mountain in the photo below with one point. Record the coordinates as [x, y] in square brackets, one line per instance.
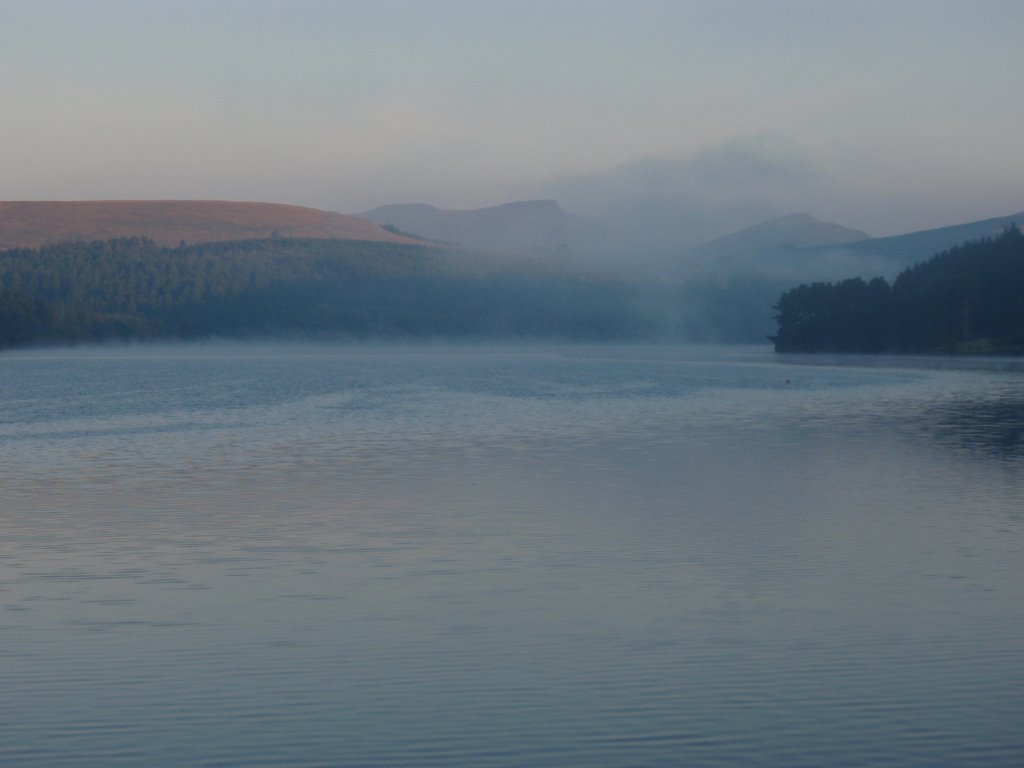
[802, 249]
[530, 226]
[168, 222]
[899, 251]
[799, 230]
[966, 299]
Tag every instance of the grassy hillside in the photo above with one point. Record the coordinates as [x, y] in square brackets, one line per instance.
[169, 222]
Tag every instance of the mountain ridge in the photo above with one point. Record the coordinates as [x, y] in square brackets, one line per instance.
[760, 249]
[913, 247]
[795, 230]
[522, 226]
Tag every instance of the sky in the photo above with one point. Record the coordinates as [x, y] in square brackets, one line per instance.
[884, 116]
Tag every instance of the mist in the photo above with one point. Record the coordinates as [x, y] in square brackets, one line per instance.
[660, 203]
[658, 128]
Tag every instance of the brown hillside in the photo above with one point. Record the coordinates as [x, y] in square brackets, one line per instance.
[168, 222]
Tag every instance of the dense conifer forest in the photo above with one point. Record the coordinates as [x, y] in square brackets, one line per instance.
[134, 289]
[969, 299]
[966, 300]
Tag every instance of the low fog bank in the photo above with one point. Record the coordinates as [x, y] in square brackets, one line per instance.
[131, 290]
[720, 291]
[219, 349]
[644, 215]
[649, 213]
[757, 210]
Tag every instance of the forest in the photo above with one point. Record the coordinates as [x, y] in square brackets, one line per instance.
[968, 300]
[132, 289]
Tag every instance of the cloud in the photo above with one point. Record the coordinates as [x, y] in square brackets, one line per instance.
[670, 203]
[764, 166]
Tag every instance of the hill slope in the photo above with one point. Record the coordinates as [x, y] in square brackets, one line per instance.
[168, 222]
[799, 230]
[521, 227]
[800, 248]
[912, 248]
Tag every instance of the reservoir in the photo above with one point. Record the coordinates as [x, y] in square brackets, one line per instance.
[349, 555]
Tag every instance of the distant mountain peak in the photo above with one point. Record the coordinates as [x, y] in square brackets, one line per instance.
[801, 248]
[795, 230]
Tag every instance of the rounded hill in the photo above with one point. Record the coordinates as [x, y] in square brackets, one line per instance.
[29, 224]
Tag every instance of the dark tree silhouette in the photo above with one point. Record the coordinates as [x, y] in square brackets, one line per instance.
[968, 299]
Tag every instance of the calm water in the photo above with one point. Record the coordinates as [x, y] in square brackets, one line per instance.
[319, 556]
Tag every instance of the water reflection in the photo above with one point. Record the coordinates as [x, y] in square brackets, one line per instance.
[985, 427]
[508, 557]
[973, 405]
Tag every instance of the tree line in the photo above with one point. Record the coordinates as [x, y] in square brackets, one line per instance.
[131, 288]
[969, 299]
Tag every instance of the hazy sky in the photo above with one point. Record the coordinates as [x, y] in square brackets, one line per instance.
[886, 116]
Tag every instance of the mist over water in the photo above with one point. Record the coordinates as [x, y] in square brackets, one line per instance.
[529, 555]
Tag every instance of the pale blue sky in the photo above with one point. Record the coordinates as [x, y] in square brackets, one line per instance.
[888, 116]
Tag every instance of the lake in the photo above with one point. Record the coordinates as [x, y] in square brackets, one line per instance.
[270, 555]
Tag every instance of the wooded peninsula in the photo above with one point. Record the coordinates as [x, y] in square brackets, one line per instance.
[968, 300]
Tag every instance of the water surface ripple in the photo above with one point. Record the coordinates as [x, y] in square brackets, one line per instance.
[595, 556]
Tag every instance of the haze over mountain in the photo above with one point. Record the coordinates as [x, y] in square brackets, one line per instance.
[168, 222]
[891, 254]
[797, 230]
[749, 246]
[731, 284]
[801, 248]
[632, 238]
[665, 204]
[692, 119]
[528, 226]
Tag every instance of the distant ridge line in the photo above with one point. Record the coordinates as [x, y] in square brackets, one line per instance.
[522, 226]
